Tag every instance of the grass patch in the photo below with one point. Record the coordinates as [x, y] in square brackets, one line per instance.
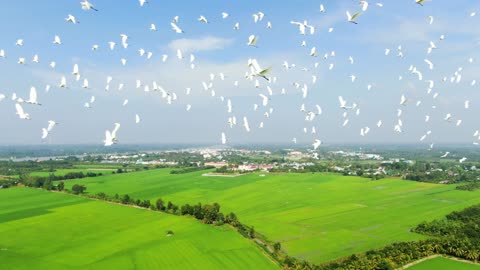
[441, 263]
[47, 230]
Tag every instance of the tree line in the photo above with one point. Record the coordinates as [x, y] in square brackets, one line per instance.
[47, 182]
[190, 169]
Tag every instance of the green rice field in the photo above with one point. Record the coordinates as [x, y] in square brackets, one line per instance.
[317, 217]
[440, 263]
[47, 230]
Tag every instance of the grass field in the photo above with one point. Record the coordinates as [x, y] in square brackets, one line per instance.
[317, 217]
[46, 230]
[441, 263]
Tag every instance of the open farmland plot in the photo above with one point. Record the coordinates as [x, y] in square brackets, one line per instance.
[317, 217]
[46, 230]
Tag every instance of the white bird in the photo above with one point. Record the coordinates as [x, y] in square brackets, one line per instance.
[202, 19]
[224, 138]
[137, 119]
[35, 59]
[53, 64]
[264, 99]
[379, 123]
[403, 100]
[142, 2]
[364, 5]
[2, 53]
[445, 155]
[71, 18]
[75, 71]
[85, 83]
[430, 19]
[236, 26]
[21, 113]
[63, 82]
[429, 63]
[224, 15]
[179, 54]
[343, 102]
[353, 78]
[448, 117]
[51, 125]
[87, 5]
[351, 18]
[257, 70]
[467, 104]
[153, 27]
[176, 28]
[44, 133]
[322, 8]
[33, 97]
[57, 40]
[316, 143]
[463, 159]
[95, 47]
[21, 61]
[124, 40]
[19, 42]
[252, 41]
[109, 141]
[111, 44]
[229, 106]
[245, 124]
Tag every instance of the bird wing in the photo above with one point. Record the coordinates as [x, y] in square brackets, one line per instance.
[19, 109]
[33, 95]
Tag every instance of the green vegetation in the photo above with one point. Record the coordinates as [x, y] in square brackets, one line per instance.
[190, 169]
[441, 263]
[316, 217]
[469, 187]
[47, 230]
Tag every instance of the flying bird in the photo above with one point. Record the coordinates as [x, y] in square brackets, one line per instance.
[87, 5]
[351, 18]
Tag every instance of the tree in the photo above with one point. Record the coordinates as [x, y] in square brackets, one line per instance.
[160, 205]
[277, 246]
[78, 189]
[125, 199]
[231, 218]
[48, 185]
[61, 186]
[251, 232]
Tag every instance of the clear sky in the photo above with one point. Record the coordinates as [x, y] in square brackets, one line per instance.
[218, 48]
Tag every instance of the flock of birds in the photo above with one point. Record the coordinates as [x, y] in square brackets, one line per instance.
[260, 77]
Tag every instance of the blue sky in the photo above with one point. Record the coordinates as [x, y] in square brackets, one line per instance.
[219, 48]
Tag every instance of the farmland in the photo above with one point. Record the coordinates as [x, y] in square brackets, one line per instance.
[47, 230]
[440, 263]
[317, 217]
